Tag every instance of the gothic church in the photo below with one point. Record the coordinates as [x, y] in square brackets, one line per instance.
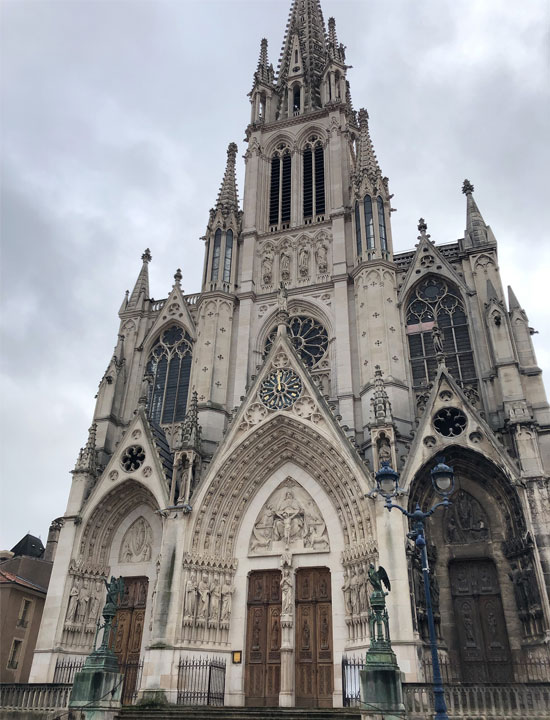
[229, 471]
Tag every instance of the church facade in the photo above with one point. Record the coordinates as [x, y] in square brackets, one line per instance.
[229, 470]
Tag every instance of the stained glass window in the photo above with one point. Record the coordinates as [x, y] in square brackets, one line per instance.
[228, 256]
[307, 335]
[216, 255]
[170, 368]
[434, 301]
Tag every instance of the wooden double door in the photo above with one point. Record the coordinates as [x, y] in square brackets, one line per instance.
[128, 631]
[313, 639]
[481, 627]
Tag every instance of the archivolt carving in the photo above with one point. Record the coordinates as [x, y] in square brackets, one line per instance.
[137, 541]
[98, 534]
[290, 519]
[280, 439]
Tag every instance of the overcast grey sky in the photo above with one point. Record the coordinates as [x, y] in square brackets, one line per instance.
[116, 116]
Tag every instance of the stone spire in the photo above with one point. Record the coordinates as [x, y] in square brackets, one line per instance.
[86, 462]
[264, 72]
[476, 229]
[367, 163]
[188, 435]
[381, 406]
[513, 302]
[141, 288]
[306, 23]
[228, 200]
[336, 50]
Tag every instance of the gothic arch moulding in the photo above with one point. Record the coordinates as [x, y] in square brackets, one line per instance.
[156, 332]
[106, 517]
[289, 520]
[136, 546]
[253, 462]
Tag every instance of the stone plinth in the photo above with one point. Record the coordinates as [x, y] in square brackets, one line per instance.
[381, 689]
[97, 689]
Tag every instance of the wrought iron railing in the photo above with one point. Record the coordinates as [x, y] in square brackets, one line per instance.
[351, 686]
[66, 669]
[201, 681]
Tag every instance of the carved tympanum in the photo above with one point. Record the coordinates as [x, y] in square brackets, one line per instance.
[136, 545]
[466, 521]
[289, 519]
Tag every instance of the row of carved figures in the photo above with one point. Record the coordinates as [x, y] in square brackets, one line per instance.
[303, 262]
[356, 600]
[207, 604]
[86, 598]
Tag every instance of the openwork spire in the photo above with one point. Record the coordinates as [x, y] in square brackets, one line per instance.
[142, 283]
[476, 229]
[367, 163]
[306, 21]
[264, 72]
[228, 200]
[336, 50]
[381, 406]
[86, 462]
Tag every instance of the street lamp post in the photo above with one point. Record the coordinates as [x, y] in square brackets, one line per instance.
[387, 481]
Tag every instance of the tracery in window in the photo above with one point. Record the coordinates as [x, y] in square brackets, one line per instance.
[307, 335]
[436, 302]
[313, 179]
[170, 368]
[369, 221]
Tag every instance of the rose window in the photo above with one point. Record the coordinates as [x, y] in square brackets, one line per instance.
[449, 422]
[132, 458]
[308, 336]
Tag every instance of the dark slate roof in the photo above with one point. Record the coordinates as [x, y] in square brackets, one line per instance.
[163, 449]
[29, 545]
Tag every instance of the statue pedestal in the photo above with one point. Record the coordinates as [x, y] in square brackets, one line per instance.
[97, 688]
[381, 684]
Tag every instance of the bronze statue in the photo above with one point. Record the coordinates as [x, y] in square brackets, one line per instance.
[377, 577]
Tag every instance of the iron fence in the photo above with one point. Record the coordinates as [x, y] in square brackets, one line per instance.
[66, 669]
[201, 681]
[351, 680]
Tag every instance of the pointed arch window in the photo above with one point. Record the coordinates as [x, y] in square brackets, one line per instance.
[369, 221]
[358, 229]
[228, 256]
[296, 99]
[434, 301]
[382, 224]
[314, 180]
[280, 187]
[216, 255]
[169, 367]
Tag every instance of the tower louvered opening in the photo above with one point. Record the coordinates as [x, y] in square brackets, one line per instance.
[358, 229]
[319, 181]
[308, 183]
[369, 222]
[216, 255]
[228, 256]
[285, 189]
[382, 224]
[274, 190]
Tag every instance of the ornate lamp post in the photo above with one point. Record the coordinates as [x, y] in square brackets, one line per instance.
[387, 481]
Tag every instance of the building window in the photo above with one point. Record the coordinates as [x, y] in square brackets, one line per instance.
[434, 301]
[314, 181]
[13, 659]
[358, 229]
[369, 222]
[382, 224]
[216, 255]
[307, 335]
[280, 189]
[23, 619]
[228, 256]
[169, 367]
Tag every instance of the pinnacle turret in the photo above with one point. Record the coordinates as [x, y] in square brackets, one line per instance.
[86, 462]
[381, 406]
[264, 72]
[141, 288]
[336, 50]
[476, 229]
[228, 200]
[367, 163]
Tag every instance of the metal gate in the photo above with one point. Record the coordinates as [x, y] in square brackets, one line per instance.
[201, 681]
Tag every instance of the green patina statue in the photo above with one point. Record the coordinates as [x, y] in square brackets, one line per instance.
[378, 616]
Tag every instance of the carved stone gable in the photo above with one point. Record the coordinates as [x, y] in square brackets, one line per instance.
[137, 541]
[289, 520]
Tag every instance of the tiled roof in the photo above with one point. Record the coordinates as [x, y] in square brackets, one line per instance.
[7, 577]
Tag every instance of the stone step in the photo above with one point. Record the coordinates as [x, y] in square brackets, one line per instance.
[201, 712]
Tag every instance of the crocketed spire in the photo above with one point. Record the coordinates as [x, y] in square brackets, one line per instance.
[86, 462]
[141, 288]
[367, 164]
[264, 72]
[306, 21]
[336, 51]
[476, 229]
[227, 197]
[381, 406]
[188, 435]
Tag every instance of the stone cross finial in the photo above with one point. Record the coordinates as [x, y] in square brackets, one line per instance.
[147, 257]
[178, 276]
[467, 187]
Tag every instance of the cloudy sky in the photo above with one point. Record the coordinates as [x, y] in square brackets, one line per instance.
[116, 116]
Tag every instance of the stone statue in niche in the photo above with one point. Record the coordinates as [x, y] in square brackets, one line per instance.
[267, 268]
[303, 262]
[384, 449]
[321, 257]
[285, 267]
[203, 590]
[466, 521]
[437, 339]
[227, 591]
[289, 519]
[137, 542]
[191, 596]
[215, 599]
[73, 602]
[83, 600]
[346, 589]
[286, 592]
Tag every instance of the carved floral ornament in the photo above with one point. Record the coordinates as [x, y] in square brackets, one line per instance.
[289, 520]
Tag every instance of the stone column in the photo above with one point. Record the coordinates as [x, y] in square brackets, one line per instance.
[288, 582]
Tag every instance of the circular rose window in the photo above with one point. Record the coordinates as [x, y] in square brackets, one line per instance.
[449, 422]
[307, 335]
[132, 458]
